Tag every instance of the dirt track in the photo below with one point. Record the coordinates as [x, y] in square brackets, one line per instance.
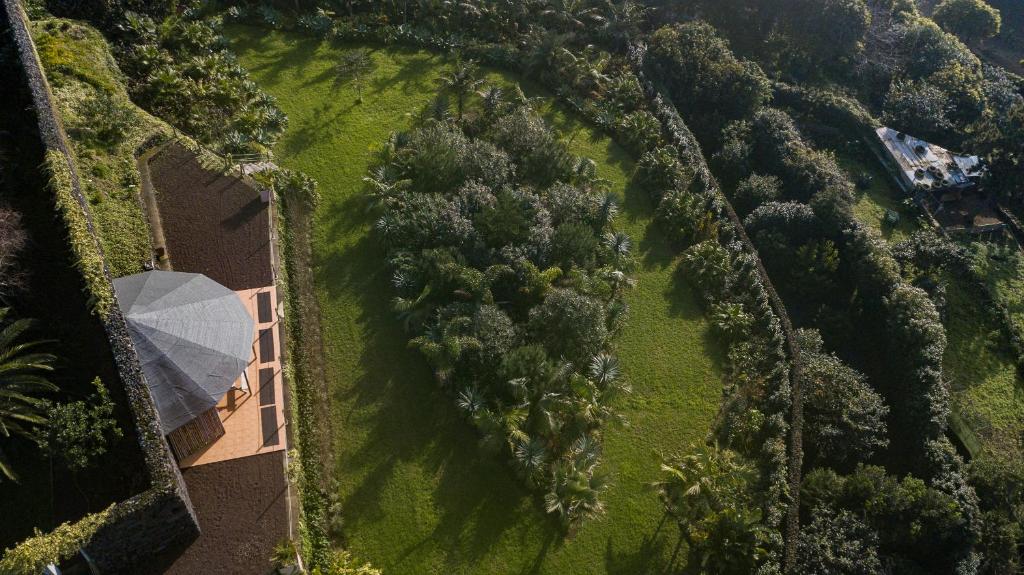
[242, 508]
[214, 224]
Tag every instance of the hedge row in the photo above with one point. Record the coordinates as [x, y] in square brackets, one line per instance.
[782, 454]
[46, 548]
[81, 236]
[912, 330]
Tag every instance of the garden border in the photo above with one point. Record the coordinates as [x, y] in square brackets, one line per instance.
[687, 144]
[161, 517]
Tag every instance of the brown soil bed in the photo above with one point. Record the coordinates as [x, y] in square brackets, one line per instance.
[242, 507]
[214, 224]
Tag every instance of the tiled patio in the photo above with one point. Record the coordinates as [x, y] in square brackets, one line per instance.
[253, 412]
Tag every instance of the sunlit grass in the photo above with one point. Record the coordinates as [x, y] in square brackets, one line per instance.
[988, 397]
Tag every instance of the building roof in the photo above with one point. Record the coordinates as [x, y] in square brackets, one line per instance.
[193, 336]
[926, 166]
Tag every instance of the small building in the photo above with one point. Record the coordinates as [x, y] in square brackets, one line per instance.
[924, 167]
[194, 340]
[945, 185]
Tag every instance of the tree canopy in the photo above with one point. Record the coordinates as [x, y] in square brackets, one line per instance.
[971, 20]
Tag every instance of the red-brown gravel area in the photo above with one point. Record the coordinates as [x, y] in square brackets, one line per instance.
[242, 507]
[214, 224]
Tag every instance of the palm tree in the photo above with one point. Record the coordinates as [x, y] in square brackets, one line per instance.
[22, 412]
[492, 100]
[708, 492]
[575, 491]
[354, 67]
[624, 21]
[461, 82]
[572, 14]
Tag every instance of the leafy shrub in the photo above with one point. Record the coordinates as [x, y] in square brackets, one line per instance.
[509, 277]
[686, 217]
[639, 131]
[659, 170]
[78, 432]
[755, 190]
[103, 122]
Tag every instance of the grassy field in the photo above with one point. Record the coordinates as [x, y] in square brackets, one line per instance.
[987, 393]
[1003, 270]
[418, 496]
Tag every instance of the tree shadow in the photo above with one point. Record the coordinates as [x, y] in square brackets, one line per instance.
[294, 60]
[650, 557]
[407, 418]
[414, 76]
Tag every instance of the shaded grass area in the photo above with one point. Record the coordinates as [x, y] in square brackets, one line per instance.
[418, 496]
[881, 195]
[987, 392]
[80, 68]
[1002, 267]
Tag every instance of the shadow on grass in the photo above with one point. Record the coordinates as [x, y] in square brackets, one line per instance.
[649, 557]
[409, 419]
[295, 58]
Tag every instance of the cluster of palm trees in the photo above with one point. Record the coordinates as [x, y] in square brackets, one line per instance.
[509, 275]
[181, 70]
[502, 20]
[710, 492]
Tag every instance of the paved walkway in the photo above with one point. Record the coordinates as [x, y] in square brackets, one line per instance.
[253, 412]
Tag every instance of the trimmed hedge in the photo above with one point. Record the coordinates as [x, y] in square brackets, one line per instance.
[88, 258]
[42, 549]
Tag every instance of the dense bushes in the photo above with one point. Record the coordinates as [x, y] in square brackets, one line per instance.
[180, 69]
[867, 276]
[844, 418]
[509, 277]
[919, 529]
[705, 79]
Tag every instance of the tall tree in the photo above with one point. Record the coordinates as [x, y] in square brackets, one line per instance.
[971, 20]
[462, 81]
[22, 382]
[354, 67]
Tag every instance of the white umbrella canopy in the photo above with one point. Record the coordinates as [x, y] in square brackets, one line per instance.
[193, 336]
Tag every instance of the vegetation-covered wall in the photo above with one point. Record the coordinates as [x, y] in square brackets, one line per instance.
[160, 517]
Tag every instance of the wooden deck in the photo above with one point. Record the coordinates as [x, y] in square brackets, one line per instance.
[253, 420]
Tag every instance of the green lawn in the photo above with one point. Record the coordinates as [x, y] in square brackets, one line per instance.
[1003, 270]
[418, 496]
[872, 203]
[988, 396]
